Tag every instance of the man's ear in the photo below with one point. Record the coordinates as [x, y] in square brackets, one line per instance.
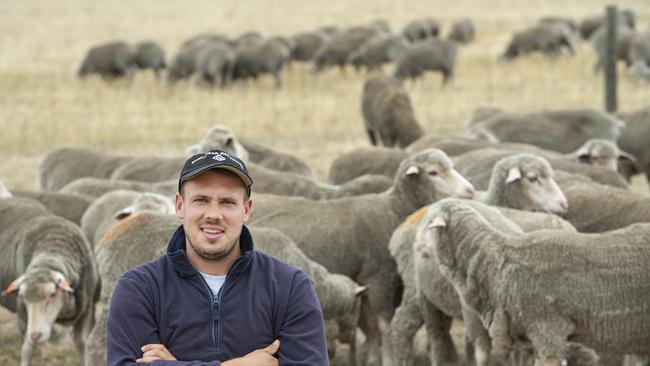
[178, 205]
[248, 207]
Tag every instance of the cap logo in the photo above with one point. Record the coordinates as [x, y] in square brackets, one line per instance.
[218, 158]
[197, 159]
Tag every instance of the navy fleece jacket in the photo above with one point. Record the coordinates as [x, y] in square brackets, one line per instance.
[167, 301]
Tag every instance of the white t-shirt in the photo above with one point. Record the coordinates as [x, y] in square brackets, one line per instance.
[214, 282]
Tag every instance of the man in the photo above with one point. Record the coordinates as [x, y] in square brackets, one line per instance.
[212, 299]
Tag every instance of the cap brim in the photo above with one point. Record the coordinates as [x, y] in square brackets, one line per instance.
[193, 173]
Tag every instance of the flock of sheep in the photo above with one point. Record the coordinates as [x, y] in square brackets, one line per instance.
[217, 60]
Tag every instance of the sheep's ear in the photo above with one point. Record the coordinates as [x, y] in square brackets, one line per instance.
[13, 286]
[412, 170]
[124, 213]
[193, 149]
[626, 155]
[437, 222]
[61, 282]
[360, 290]
[513, 175]
[228, 142]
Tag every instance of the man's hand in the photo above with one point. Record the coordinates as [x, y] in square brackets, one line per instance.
[152, 352]
[259, 357]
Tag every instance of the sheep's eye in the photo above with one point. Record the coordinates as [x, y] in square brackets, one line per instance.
[533, 179]
[53, 294]
[433, 173]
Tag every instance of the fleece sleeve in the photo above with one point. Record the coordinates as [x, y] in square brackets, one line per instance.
[302, 334]
[131, 324]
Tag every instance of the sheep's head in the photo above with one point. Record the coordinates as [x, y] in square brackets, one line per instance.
[528, 183]
[431, 170]
[148, 201]
[220, 138]
[599, 152]
[45, 294]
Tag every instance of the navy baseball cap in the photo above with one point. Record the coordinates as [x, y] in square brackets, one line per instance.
[215, 159]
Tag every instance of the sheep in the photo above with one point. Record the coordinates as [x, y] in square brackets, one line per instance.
[388, 114]
[462, 31]
[588, 26]
[48, 271]
[338, 48]
[597, 208]
[633, 140]
[420, 29]
[639, 56]
[365, 160]
[562, 130]
[267, 57]
[68, 206]
[432, 54]
[477, 166]
[600, 152]
[143, 236]
[541, 286]
[205, 37]
[547, 38]
[408, 319]
[222, 138]
[624, 37]
[183, 65]
[307, 43]
[274, 159]
[150, 55]
[215, 64]
[367, 221]
[64, 164]
[553, 20]
[93, 188]
[110, 60]
[117, 205]
[377, 51]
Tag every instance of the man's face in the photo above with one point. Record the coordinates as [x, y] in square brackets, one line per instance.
[214, 206]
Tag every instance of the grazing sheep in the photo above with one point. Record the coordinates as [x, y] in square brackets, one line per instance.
[95, 187]
[306, 45]
[477, 166]
[150, 55]
[567, 293]
[222, 138]
[462, 31]
[365, 160]
[267, 57]
[420, 29]
[337, 50]
[377, 51]
[117, 205]
[184, 63]
[548, 39]
[274, 159]
[562, 130]
[624, 37]
[388, 114]
[64, 164]
[554, 20]
[639, 56]
[68, 206]
[432, 54]
[367, 221]
[215, 64]
[600, 152]
[588, 26]
[634, 140]
[109, 60]
[48, 272]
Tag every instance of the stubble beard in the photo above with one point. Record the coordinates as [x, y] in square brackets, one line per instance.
[213, 256]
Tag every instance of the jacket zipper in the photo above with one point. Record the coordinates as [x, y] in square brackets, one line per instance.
[212, 301]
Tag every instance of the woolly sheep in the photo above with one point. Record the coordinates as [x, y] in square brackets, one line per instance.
[48, 271]
[639, 56]
[64, 164]
[634, 140]
[267, 57]
[462, 31]
[561, 130]
[215, 65]
[377, 51]
[150, 55]
[338, 48]
[367, 221]
[547, 38]
[222, 138]
[432, 54]
[68, 206]
[306, 44]
[540, 286]
[588, 26]
[183, 64]
[117, 205]
[420, 29]
[109, 60]
[388, 114]
[95, 187]
[624, 37]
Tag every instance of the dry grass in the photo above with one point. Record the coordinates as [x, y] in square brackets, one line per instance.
[316, 117]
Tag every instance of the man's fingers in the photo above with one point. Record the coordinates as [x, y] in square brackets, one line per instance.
[274, 347]
[147, 347]
[147, 359]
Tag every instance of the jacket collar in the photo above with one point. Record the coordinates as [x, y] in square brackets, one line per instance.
[176, 253]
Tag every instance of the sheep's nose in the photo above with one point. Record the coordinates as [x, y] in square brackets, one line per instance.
[469, 192]
[564, 205]
[36, 336]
